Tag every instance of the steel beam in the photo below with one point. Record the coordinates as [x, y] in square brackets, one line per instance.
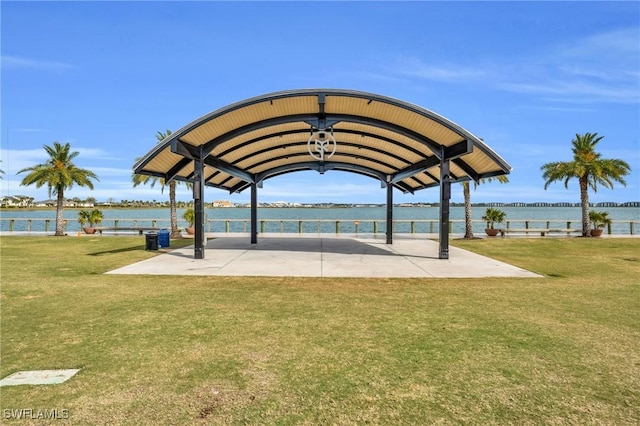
[306, 155]
[186, 150]
[229, 169]
[239, 187]
[429, 143]
[415, 169]
[254, 213]
[445, 196]
[304, 143]
[458, 150]
[315, 165]
[171, 174]
[473, 175]
[389, 213]
[198, 203]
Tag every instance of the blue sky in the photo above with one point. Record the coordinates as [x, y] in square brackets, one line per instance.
[524, 76]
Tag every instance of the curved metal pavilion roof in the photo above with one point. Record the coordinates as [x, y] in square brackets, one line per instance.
[399, 143]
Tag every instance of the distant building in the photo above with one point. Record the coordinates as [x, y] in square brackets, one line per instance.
[46, 203]
[279, 204]
[221, 203]
[16, 201]
[82, 204]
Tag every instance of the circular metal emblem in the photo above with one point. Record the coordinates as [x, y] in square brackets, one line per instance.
[321, 145]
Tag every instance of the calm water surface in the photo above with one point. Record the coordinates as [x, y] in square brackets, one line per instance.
[239, 218]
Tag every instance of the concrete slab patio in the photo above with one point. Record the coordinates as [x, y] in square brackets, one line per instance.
[38, 377]
[324, 257]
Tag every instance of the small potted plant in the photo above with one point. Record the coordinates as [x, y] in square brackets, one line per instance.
[598, 221]
[190, 216]
[493, 216]
[92, 217]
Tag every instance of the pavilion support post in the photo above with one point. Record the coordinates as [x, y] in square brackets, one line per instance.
[389, 213]
[198, 207]
[254, 213]
[445, 196]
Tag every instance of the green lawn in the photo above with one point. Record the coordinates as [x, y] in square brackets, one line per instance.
[564, 349]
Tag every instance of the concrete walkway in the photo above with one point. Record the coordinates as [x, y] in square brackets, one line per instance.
[324, 257]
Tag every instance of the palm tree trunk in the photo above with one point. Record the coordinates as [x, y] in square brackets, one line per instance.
[59, 216]
[175, 232]
[584, 202]
[468, 224]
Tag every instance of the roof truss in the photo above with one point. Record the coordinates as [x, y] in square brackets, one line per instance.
[394, 142]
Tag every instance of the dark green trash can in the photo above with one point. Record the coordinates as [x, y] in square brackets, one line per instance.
[151, 241]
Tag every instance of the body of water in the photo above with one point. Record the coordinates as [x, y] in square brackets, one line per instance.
[323, 219]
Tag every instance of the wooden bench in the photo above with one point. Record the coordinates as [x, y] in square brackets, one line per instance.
[542, 231]
[140, 229]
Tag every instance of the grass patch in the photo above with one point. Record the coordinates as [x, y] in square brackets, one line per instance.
[232, 350]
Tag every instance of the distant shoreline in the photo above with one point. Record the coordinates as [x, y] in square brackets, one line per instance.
[338, 206]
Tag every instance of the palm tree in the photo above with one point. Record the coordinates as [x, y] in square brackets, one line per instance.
[58, 173]
[152, 180]
[93, 217]
[589, 169]
[493, 216]
[468, 222]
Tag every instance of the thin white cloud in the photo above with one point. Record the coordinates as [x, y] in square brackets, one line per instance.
[28, 130]
[14, 160]
[599, 68]
[415, 67]
[370, 75]
[94, 153]
[570, 109]
[20, 63]
[565, 90]
[111, 171]
[616, 44]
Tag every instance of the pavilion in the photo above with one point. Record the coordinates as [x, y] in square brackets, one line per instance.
[402, 145]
